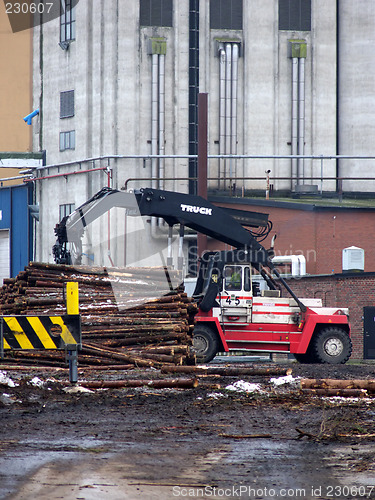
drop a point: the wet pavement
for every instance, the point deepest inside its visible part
(198, 443)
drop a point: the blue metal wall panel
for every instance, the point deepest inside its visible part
(14, 201)
(19, 250)
(5, 208)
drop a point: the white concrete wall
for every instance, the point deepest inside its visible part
(109, 68)
(356, 90)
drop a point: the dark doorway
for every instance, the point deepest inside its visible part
(369, 332)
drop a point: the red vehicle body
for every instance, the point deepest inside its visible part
(245, 318)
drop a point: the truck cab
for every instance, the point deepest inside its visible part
(247, 315)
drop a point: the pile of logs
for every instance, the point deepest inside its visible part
(130, 317)
(332, 387)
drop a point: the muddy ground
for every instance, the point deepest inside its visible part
(206, 442)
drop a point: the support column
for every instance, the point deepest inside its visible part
(202, 159)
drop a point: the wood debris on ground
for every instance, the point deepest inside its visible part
(130, 316)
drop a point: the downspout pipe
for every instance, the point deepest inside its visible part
(338, 26)
(235, 55)
(161, 171)
(161, 119)
(154, 118)
(222, 56)
(228, 106)
(154, 129)
(301, 118)
(294, 120)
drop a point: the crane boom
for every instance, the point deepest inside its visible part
(188, 210)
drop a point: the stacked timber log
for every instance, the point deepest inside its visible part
(130, 317)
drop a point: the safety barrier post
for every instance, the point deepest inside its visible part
(1, 339)
(72, 307)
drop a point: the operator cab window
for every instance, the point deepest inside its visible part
(247, 280)
(233, 278)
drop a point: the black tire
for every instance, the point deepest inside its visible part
(308, 357)
(205, 343)
(332, 345)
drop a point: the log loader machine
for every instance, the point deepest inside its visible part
(234, 312)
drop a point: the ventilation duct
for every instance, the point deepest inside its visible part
(297, 263)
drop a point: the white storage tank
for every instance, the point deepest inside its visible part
(353, 259)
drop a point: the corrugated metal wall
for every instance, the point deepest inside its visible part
(16, 221)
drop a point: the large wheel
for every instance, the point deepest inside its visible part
(308, 357)
(205, 343)
(332, 345)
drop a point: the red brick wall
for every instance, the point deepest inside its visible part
(353, 291)
(318, 235)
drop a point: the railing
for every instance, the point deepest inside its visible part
(330, 177)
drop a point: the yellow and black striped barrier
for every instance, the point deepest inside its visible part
(46, 332)
(40, 332)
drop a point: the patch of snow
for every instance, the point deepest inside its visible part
(36, 382)
(242, 386)
(216, 395)
(287, 380)
(339, 400)
(5, 380)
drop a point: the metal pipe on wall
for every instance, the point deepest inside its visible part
(228, 98)
(161, 119)
(301, 118)
(228, 106)
(235, 55)
(222, 56)
(294, 120)
(154, 130)
(154, 118)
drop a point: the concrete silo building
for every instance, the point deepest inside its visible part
(117, 81)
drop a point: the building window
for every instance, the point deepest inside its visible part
(156, 13)
(67, 20)
(67, 140)
(295, 15)
(66, 210)
(67, 104)
(226, 14)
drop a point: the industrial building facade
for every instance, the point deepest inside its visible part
(118, 81)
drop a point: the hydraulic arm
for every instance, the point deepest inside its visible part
(187, 210)
(175, 208)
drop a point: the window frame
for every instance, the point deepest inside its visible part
(294, 15)
(66, 209)
(228, 284)
(67, 20)
(148, 9)
(225, 10)
(67, 140)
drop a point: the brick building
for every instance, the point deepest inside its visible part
(319, 232)
(353, 290)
